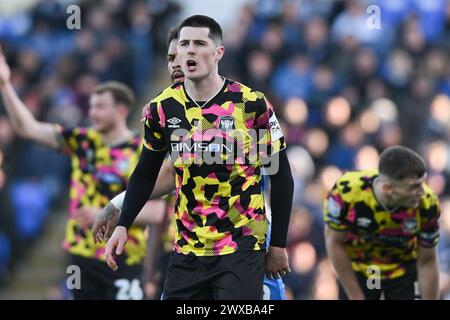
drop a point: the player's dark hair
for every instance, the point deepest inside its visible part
(121, 93)
(399, 162)
(172, 34)
(201, 21)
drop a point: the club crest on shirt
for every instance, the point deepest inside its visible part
(226, 123)
(410, 225)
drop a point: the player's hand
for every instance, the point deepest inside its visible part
(114, 246)
(5, 71)
(86, 216)
(277, 262)
(105, 222)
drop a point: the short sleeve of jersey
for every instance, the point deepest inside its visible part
(153, 128)
(270, 136)
(72, 138)
(335, 210)
(429, 227)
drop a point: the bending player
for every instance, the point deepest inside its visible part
(382, 230)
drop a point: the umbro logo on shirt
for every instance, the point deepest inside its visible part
(174, 122)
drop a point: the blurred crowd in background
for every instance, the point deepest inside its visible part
(342, 91)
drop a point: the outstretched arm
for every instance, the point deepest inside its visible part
(22, 119)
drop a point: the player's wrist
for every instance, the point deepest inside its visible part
(117, 201)
(121, 228)
(276, 242)
(276, 248)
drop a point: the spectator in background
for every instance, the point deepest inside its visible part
(352, 23)
(293, 78)
(317, 44)
(260, 68)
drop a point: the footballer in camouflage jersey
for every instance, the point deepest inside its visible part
(99, 172)
(377, 237)
(222, 207)
(382, 230)
(273, 288)
(219, 134)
